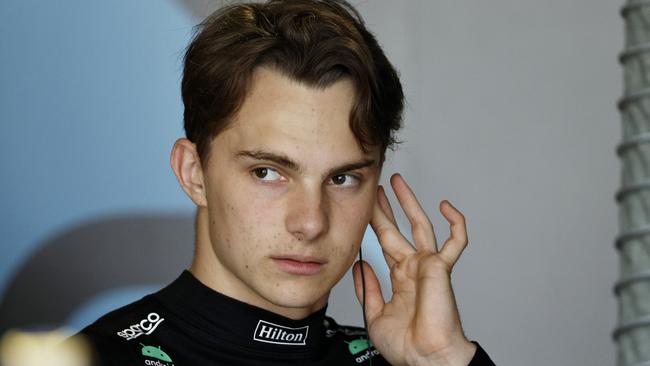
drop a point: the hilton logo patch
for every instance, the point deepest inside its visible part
(277, 334)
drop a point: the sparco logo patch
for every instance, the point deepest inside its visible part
(277, 334)
(146, 326)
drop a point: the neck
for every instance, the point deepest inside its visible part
(209, 270)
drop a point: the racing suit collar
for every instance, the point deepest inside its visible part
(224, 319)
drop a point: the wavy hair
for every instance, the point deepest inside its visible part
(315, 42)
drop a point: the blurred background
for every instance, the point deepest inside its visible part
(511, 116)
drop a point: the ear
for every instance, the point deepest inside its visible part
(186, 165)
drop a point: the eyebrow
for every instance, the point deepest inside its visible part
(288, 163)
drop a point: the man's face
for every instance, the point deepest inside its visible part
(284, 234)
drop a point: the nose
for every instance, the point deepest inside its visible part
(307, 217)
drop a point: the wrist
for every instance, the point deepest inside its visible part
(459, 354)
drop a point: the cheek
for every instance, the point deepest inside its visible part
(245, 222)
(352, 218)
(356, 214)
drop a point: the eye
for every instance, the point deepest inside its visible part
(351, 178)
(265, 172)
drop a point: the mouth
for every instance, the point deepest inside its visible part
(299, 265)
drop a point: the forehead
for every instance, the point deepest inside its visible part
(284, 116)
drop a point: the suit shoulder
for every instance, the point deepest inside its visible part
(146, 310)
(359, 350)
(109, 335)
(332, 328)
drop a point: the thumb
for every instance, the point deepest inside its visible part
(374, 299)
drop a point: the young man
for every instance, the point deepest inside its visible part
(289, 109)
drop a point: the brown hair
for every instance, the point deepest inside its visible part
(315, 42)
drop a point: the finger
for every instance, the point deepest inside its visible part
(374, 299)
(390, 261)
(421, 226)
(384, 203)
(435, 306)
(457, 241)
(391, 240)
(388, 210)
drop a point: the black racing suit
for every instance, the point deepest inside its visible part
(189, 324)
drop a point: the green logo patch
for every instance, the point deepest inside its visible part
(358, 345)
(153, 352)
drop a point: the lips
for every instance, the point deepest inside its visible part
(299, 265)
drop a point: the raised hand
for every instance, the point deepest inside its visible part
(420, 324)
